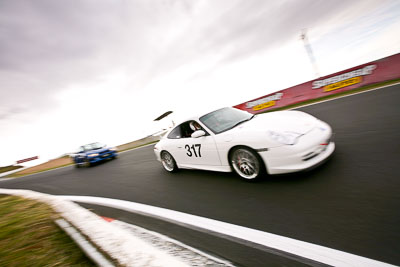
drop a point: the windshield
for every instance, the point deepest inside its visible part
(93, 146)
(224, 119)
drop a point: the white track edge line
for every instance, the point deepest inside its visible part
(366, 91)
(300, 248)
(13, 178)
(169, 239)
(130, 149)
(88, 249)
(114, 241)
(11, 172)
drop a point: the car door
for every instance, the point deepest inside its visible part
(195, 151)
(199, 151)
(80, 156)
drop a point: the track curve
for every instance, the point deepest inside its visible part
(351, 203)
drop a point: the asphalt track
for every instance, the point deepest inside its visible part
(351, 203)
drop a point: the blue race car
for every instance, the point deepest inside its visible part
(93, 153)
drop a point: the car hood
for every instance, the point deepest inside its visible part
(280, 121)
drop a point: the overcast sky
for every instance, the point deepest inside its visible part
(73, 72)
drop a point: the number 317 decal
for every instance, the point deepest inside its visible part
(193, 148)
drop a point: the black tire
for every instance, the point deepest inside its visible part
(87, 163)
(168, 162)
(246, 163)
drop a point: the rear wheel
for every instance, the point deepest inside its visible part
(246, 163)
(168, 162)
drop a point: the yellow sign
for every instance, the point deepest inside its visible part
(342, 84)
(265, 105)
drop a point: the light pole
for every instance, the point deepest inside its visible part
(307, 46)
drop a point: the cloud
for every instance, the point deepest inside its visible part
(235, 30)
(47, 46)
(7, 113)
(162, 49)
(51, 44)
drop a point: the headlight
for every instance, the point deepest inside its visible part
(113, 149)
(286, 138)
(93, 155)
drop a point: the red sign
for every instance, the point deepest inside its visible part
(28, 159)
(381, 70)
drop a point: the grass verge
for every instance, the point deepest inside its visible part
(126, 149)
(9, 168)
(16, 175)
(29, 236)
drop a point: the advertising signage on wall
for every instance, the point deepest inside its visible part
(385, 69)
(27, 159)
(343, 80)
(265, 102)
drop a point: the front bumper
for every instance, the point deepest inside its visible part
(108, 155)
(311, 150)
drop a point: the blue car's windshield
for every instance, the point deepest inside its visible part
(93, 146)
(224, 119)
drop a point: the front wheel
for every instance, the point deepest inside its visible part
(87, 163)
(246, 163)
(168, 162)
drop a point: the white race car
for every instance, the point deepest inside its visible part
(231, 139)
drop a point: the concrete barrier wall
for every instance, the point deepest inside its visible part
(370, 73)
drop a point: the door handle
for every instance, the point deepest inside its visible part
(179, 147)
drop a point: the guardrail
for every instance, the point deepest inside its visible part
(378, 71)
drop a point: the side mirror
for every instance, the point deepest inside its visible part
(198, 133)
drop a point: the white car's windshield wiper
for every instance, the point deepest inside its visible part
(240, 122)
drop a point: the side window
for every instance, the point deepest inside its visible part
(185, 129)
(182, 131)
(176, 133)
